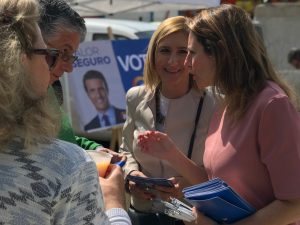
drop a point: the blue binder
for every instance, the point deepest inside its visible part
(218, 201)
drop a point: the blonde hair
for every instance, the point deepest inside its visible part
(22, 113)
(242, 65)
(167, 27)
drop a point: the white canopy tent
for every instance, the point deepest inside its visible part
(106, 7)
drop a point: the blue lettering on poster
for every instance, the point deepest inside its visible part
(130, 56)
(91, 56)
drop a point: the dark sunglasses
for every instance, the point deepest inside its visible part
(67, 57)
(51, 55)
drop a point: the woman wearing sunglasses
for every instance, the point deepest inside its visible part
(51, 55)
(43, 180)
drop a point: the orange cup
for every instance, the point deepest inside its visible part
(102, 160)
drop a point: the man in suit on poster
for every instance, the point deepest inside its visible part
(96, 88)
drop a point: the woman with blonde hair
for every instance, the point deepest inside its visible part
(168, 102)
(43, 180)
(253, 139)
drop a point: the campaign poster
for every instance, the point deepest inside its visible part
(130, 56)
(102, 75)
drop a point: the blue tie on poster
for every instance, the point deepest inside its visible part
(102, 75)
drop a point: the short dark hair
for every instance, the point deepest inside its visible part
(94, 74)
(56, 16)
(294, 54)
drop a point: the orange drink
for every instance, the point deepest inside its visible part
(102, 167)
(102, 160)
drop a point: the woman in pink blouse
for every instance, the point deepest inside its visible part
(253, 141)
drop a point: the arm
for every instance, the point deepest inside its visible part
(131, 166)
(279, 212)
(114, 196)
(91, 145)
(87, 144)
(159, 145)
(126, 147)
(279, 150)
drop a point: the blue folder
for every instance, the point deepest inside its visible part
(218, 201)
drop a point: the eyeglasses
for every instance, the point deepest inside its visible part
(67, 57)
(51, 55)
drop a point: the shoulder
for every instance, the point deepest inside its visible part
(271, 104)
(270, 95)
(55, 172)
(135, 92)
(63, 157)
(64, 147)
(272, 90)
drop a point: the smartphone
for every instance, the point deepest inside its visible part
(148, 182)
